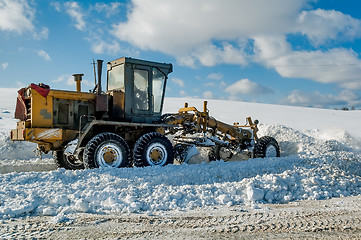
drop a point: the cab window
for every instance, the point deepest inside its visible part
(141, 96)
(158, 85)
(116, 78)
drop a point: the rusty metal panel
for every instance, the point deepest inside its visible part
(101, 104)
(68, 112)
(63, 112)
(118, 104)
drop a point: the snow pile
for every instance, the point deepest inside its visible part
(317, 161)
(310, 168)
(15, 150)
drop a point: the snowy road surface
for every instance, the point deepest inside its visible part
(336, 218)
(322, 161)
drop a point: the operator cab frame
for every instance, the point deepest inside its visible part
(137, 88)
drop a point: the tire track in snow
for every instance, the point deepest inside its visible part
(33, 165)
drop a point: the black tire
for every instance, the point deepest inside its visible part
(215, 153)
(155, 144)
(67, 160)
(266, 147)
(106, 150)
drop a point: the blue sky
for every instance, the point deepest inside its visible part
(299, 52)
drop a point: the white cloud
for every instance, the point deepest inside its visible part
(245, 86)
(63, 78)
(317, 99)
(195, 90)
(208, 95)
(161, 25)
(108, 9)
(44, 55)
(210, 84)
(4, 65)
(321, 26)
(100, 47)
(187, 61)
(20, 84)
(69, 81)
(339, 65)
(56, 6)
(43, 34)
(178, 82)
(215, 76)
(247, 31)
(76, 13)
(182, 93)
(220, 84)
(16, 16)
(209, 55)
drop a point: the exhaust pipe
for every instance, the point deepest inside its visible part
(78, 79)
(101, 102)
(100, 65)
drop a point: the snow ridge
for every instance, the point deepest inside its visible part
(313, 165)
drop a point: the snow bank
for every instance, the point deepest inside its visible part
(310, 168)
(320, 158)
(15, 150)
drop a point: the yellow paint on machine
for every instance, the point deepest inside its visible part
(42, 107)
(46, 138)
(40, 134)
(43, 134)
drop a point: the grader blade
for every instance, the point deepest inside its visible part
(190, 152)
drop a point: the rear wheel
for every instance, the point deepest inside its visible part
(266, 147)
(67, 160)
(106, 150)
(153, 149)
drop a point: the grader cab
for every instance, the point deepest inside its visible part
(124, 126)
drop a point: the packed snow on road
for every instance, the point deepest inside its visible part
(320, 159)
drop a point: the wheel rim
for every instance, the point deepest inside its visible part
(271, 151)
(156, 154)
(109, 155)
(225, 153)
(72, 160)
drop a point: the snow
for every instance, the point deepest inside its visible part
(320, 159)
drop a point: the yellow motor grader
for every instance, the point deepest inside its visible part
(124, 126)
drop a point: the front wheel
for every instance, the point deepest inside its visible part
(106, 150)
(218, 152)
(67, 160)
(153, 149)
(266, 147)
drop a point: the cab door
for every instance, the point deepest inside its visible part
(142, 96)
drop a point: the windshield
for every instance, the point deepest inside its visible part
(116, 78)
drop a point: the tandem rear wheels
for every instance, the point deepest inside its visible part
(111, 150)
